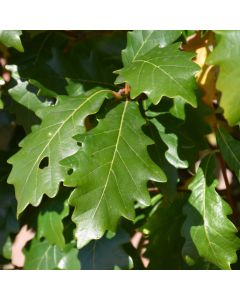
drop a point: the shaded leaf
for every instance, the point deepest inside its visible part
(7, 249)
(8, 222)
(34, 63)
(161, 72)
(50, 219)
(207, 226)
(51, 142)
(178, 109)
(230, 149)
(110, 171)
(53, 61)
(165, 240)
(43, 256)
(106, 253)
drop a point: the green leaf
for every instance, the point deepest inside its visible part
(110, 171)
(8, 222)
(140, 42)
(22, 94)
(70, 260)
(165, 240)
(171, 140)
(43, 256)
(34, 64)
(11, 38)
(161, 72)
(106, 253)
(226, 55)
(41, 151)
(27, 107)
(50, 219)
(230, 149)
(188, 134)
(178, 109)
(7, 249)
(207, 225)
(52, 61)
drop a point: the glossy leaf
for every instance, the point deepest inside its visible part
(110, 171)
(11, 38)
(27, 107)
(171, 140)
(42, 150)
(226, 56)
(70, 259)
(50, 218)
(42, 256)
(140, 42)
(161, 72)
(230, 150)
(22, 94)
(207, 225)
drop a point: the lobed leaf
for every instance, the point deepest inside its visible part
(41, 151)
(171, 140)
(43, 256)
(140, 42)
(207, 226)
(161, 72)
(50, 218)
(22, 94)
(110, 172)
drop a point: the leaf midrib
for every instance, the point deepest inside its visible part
(164, 72)
(140, 48)
(57, 131)
(113, 159)
(204, 214)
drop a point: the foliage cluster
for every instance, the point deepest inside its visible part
(113, 137)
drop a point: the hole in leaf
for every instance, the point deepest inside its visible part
(70, 171)
(44, 163)
(79, 144)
